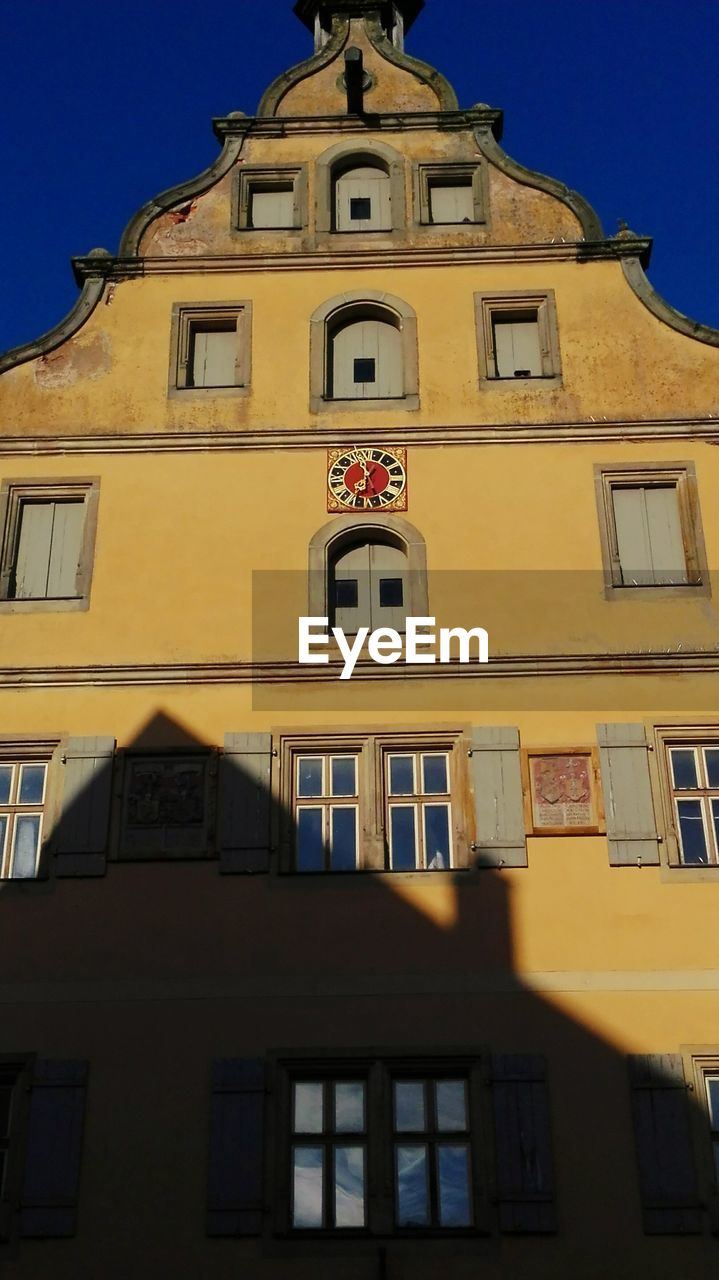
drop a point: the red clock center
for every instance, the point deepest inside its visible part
(366, 481)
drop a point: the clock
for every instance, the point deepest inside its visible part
(367, 479)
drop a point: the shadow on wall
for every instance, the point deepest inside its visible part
(148, 979)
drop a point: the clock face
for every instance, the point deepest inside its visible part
(366, 479)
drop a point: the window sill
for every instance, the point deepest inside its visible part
(537, 382)
(678, 873)
(67, 604)
(324, 405)
(204, 393)
(661, 592)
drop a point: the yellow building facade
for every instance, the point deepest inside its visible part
(408, 972)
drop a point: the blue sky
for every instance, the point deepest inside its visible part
(105, 105)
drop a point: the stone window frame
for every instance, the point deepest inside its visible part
(47, 488)
(488, 306)
(15, 1070)
(294, 175)
(682, 475)
(700, 1061)
(322, 322)
(119, 851)
(344, 155)
(184, 314)
(341, 531)
(371, 749)
(378, 1069)
(425, 173)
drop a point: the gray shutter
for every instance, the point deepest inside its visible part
(245, 802)
(665, 1158)
(273, 208)
(48, 1205)
(523, 1142)
(214, 358)
(365, 183)
(517, 347)
(234, 1202)
(628, 805)
(498, 803)
(33, 550)
(65, 549)
(452, 203)
(82, 835)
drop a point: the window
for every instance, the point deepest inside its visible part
(451, 195)
(49, 536)
(517, 337)
(362, 199)
(359, 191)
(650, 528)
(22, 797)
(363, 347)
(711, 1084)
(210, 349)
(270, 199)
(368, 585)
(350, 1120)
(692, 774)
(393, 802)
(167, 808)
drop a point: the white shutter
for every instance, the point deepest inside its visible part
(272, 208)
(665, 534)
(517, 348)
(363, 184)
(65, 549)
(354, 565)
(367, 340)
(213, 357)
(387, 562)
(452, 203)
(630, 522)
(33, 550)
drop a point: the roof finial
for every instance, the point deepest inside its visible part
(396, 16)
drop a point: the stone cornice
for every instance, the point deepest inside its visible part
(479, 116)
(517, 666)
(126, 268)
(325, 435)
(663, 310)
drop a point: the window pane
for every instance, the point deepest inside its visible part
(3, 833)
(684, 769)
(711, 758)
(403, 837)
(715, 817)
(25, 846)
(346, 593)
(309, 776)
(5, 783)
(691, 832)
(310, 841)
(412, 1197)
(343, 855)
(436, 837)
(307, 1187)
(344, 776)
(453, 1180)
(391, 593)
(360, 208)
(410, 1115)
(32, 784)
(308, 1107)
(451, 1100)
(349, 1187)
(434, 775)
(401, 775)
(365, 369)
(349, 1107)
(713, 1098)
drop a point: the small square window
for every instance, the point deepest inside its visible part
(269, 199)
(360, 209)
(451, 195)
(391, 593)
(650, 528)
(210, 349)
(346, 593)
(365, 370)
(49, 533)
(518, 339)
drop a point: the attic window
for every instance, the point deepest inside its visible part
(451, 195)
(270, 199)
(210, 349)
(518, 341)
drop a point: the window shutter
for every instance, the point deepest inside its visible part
(452, 203)
(215, 354)
(245, 802)
(65, 549)
(629, 810)
(48, 1205)
(82, 835)
(498, 803)
(33, 550)
(234, 1205)
(523, 1141)
(273, 208)
(665, 534)
(665, 1158)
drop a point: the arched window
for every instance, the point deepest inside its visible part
(364, 355)
(368, 573)
(367, 583)
(361, 199)
(363, 347)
